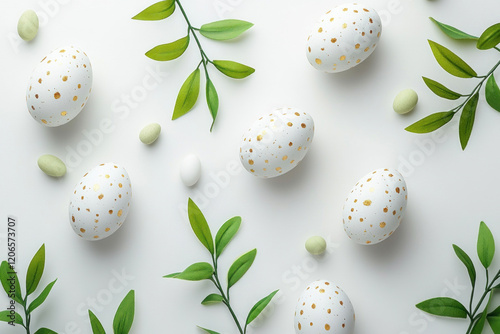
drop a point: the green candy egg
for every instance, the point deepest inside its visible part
(150, 133)
(52, 165)
(316, 245)
(405, 101)
(27, 26)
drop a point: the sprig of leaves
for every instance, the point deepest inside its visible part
(220, 31)
(11, 285)
(457, 67)
(124, 317)
(449, 307)
(209, 271)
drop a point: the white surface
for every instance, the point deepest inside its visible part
(450, 191)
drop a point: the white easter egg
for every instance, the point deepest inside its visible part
(276, 142)
(59, 86)
(375, 206)
(343, 37)
(323, 308)
(190, 170)
(100, 202)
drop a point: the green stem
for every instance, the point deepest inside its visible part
(27, 316)
(193, 30)
(225, 297)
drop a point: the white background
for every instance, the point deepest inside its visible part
(450, 191)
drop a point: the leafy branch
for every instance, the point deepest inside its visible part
(456, 66)
(449, 307)
(12, 287)
(219, 31)
(206, 271)
(124, 317)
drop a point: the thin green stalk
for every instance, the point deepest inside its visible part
(225, 297)
(192, 30)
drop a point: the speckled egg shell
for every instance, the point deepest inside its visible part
(323, 308)
(276, 142)
(344, 37)
(59, 86)
(375, 206)
(100, 202)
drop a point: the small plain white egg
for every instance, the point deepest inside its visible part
(59, 86)
(343, 37)
(100, 202)
(276, 142)
(375, 206)
(190, 170)
(323, 308)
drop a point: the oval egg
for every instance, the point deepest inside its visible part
(59, 86)
(343, 38)
(100, 202)
(323, 308)
(276, 142)
(375, 206)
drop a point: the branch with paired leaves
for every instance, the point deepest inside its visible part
(206, 271)
(12, 287)
(449, 307)
(457, 67)
(124, 317)
(219, 31)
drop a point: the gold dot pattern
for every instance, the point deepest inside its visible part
(324, 308)
(100, 192)
(276, 142)
(349, 34)
(58, 85)
(376, 206)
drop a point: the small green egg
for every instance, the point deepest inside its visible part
(405, 101)
(27, 26)
(150, 133)
(316, 245)
(52, 165)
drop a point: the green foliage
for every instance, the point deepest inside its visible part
(219, 31)
(449, 307)
(206, 271)
(457, 67)
(124, 317)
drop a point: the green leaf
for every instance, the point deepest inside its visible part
(170, 51)
(485, 245)
(466, 260)
(96, 324)
(200, 226)
(44, 330)
(492, 93)
(5, 316)
(233, 69)
(453, 32)
(124, 316)
(479, 325)
(171, 275)
(450, 62)
(212, 299)
(489, 38)
(431, 122)
(188, 95)
(35, 271)
(208, 330)
(212, 100)
(467, 120)
(494, 320)
(226, 233)
(259, 307)
(441, 90)
(41, 298)
(159, 11)
(443, 306)
(225, 29)
(7, 275)
(196, 272)
(240, 267)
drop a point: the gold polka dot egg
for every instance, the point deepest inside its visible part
(276, 142)
(59, 86)
(323, 308)
(375, 206)
(343, 37)
(100, 202)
